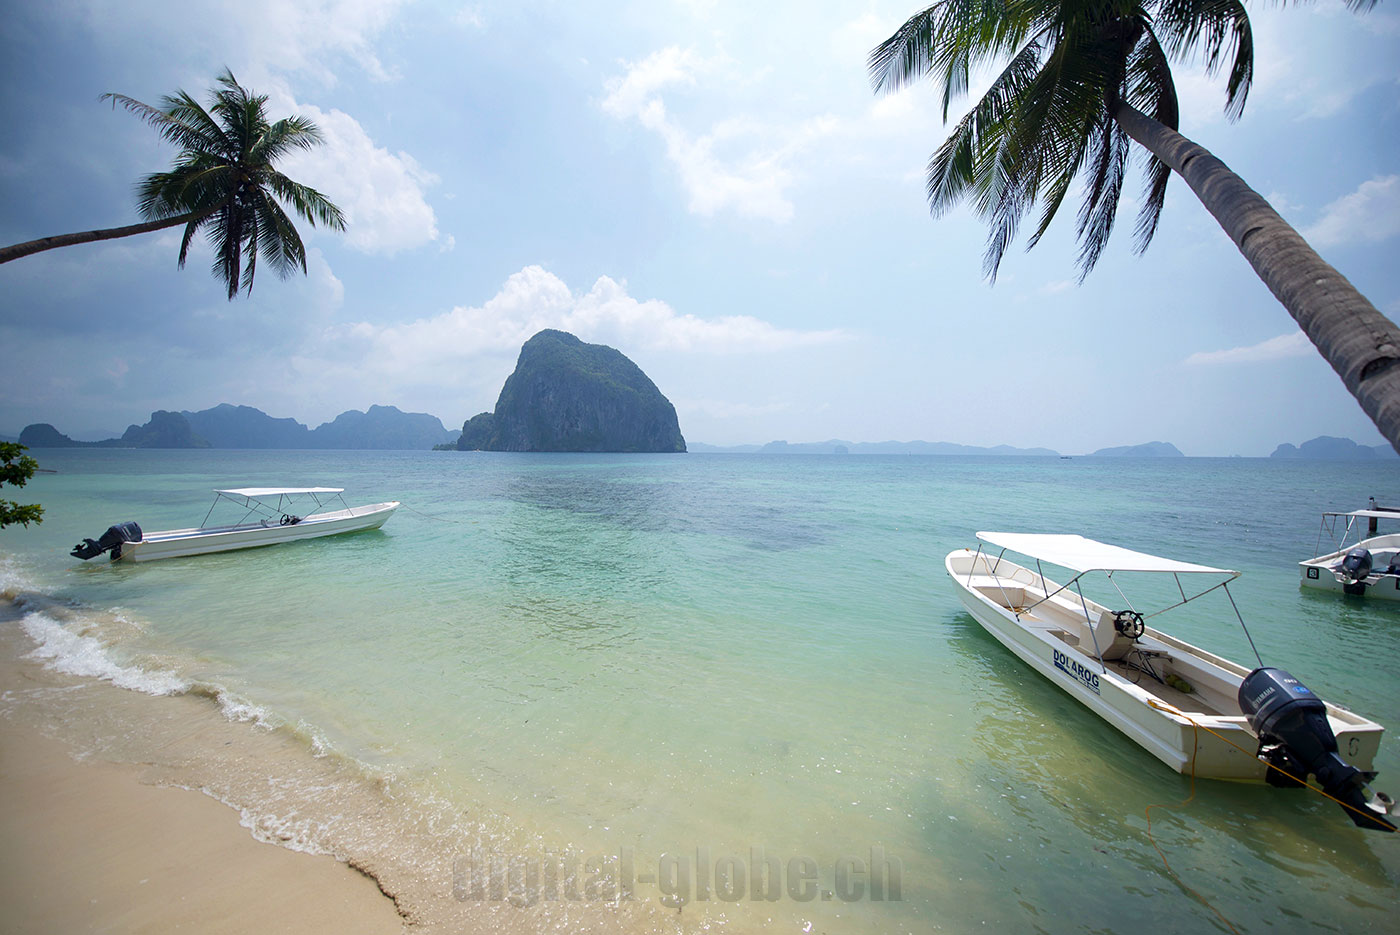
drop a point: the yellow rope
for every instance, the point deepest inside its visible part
(1195, 745)
(1196, 729)
(1302, 782)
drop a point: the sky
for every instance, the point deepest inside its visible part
(711, 187)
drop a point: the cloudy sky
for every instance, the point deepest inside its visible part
(709, 186)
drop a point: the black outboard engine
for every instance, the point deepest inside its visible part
(111, 540)
(1353, 570)
(1295, 738)
(1357, 564)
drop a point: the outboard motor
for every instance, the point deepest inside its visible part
(1295, 738)
(1357, 564)
(110, 541)
(1353, 571)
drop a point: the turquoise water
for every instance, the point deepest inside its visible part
(699, 656)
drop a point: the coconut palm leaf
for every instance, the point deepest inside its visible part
(224, 182)
(1083, 81)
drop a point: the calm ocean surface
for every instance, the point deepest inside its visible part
(555, 659)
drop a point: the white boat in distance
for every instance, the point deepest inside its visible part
(265, 521)
(1367, 567)
(1193, 710)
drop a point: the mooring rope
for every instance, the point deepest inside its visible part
(440, 519)
(1302, 782)
(1195, 746)
(1196, 729)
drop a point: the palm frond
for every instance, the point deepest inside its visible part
(307, 201)
(905, 56)
(225, 176)
(183, 123)
(226, 236)
(959, 165)
(282, 246)
(1213, 31)
(950, 38)
(190, 230)
(252, 231)
(1150, 89)
(1108, 147)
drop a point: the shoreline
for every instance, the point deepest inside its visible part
(90, 846)
(152, 809)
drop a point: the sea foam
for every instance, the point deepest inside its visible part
(63, 649)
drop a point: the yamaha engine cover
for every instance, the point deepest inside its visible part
(1295, 737)
(1357, 564)
(111, 540)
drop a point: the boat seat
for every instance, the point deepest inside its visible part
(1111, 644)
(1004, 592)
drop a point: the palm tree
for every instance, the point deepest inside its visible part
(1080, 80)
(223, 181)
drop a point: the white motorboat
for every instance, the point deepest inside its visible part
(268, 519)
(1193, 710)
(1367, 567)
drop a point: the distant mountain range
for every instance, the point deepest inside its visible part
(386, 427)
(1149, 450)
(228, 426)
(1322, 448)
(1328, 448)
(840, 447)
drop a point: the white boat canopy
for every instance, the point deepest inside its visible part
(1081, 555)
(1371, 514)
(256, 492)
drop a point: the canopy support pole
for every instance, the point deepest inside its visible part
(1225, 586)
(1089, 625)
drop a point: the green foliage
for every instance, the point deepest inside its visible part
(225, 177)
(1049, 117)
(479, 433)
(16, 469)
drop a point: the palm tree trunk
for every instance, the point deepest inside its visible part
(1361, 344)
(15, 251)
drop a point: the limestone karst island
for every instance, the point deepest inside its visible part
(566, 395)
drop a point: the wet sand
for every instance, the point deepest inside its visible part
(89, 847)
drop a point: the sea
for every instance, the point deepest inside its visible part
(703, 692)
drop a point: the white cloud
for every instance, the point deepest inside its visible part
(741, 164)
(722, 410)
(272, 45)
(298, 36)
(1284, 346)
(534, 299)
(1367, 215)
(382, 193)
(306, 36)
(471, 17)
(466, 353)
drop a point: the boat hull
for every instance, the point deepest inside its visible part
(1317, 572)
(1213, 742)
(178, 543)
